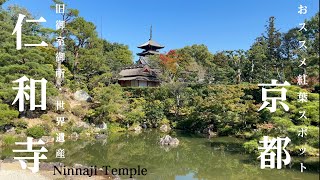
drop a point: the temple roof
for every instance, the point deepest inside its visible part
(149, 52)
(139, 70)
(139, 78)
(151, 45)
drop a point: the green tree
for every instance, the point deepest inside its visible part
(33, 62)
(111, 106)
(117, 55)
(237, 61)
(273, 38)
(80, 36)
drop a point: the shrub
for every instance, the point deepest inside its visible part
(36, 131)
(115, 127)
(7, 114)
(135, 116)
(313, 136)
(154, 112)
(46, 117)
(79, 111)
(8, 140)
(104, 131)
(68, 127)
(164, 121)
(21, 124)
(282, 122)
(226, 130)
(77, 129)
(251, 146)
(310, 151)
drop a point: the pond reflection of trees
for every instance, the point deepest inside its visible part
(217, 158)
(220, 158)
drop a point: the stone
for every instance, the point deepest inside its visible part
(7, 127)
(168, 140)
(212, 134)
(74, 136)
(209, 131)
(47, 139)
(100, 136)
(102, 126)
(96, 130)
(9, 160)
(165, 128)
(82, 124)
(137, 128)
(81, 95)
(11, 131)
(144, 125)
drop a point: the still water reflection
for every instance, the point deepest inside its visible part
(195, 158)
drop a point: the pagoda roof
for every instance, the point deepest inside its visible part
(149, 44)
(149, 52)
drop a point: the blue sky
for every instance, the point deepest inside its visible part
(219, 24)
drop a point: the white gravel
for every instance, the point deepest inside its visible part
(19, 175)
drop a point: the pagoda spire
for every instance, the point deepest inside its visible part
(150, 32)
(150, 47)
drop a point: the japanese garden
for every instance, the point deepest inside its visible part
(188, 113)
